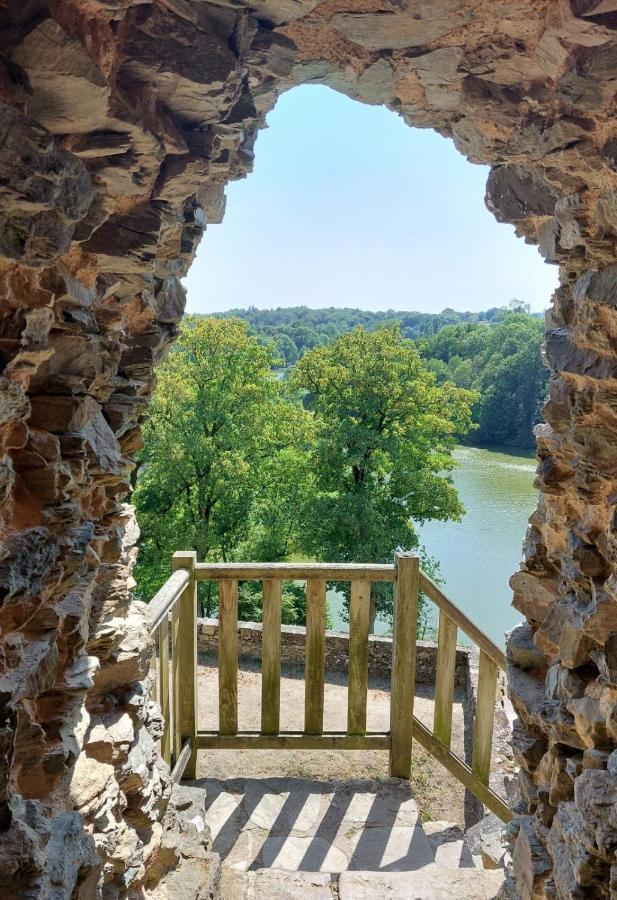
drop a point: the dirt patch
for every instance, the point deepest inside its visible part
(438, 794)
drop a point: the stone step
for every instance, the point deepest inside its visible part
(484, 839)
(447, 841)
(432, 882)
(277, 884)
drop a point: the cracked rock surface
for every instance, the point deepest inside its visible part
(121, 121)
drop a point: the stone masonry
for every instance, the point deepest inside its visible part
(120, 123)
(336, 650)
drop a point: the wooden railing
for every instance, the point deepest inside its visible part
(175, 604)
(172, 614)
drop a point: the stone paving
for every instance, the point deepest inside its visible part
(297, 824)
(297, 839)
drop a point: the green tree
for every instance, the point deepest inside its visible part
(219, 430)
(384, 434)
(503, 363)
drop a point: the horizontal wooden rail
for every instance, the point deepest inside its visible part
(461, 771)
(292, 740)
(428, 587)
(293, 571)
(166, 597)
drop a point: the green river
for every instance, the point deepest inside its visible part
(478, 555)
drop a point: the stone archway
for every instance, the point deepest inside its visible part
(122, 120)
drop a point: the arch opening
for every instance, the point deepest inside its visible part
(349, 207)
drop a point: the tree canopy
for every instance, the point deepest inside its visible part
(296, 329)
(337, 463)
(384, 431)
(495, 352)
(503, 364)
(222, 464)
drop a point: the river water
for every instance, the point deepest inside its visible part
(478, 555)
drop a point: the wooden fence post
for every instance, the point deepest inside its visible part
(359, 613)
(228, 656)
(185, 663)
(403, 662)
(314, 667)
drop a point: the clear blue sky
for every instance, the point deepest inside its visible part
(347, 206)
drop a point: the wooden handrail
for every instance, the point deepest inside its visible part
(348, 572)
(461, 771)
(428, 587)
(166, 597)
(293, 571)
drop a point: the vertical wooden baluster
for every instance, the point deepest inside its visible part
(403, 663)
(164, 696)
(185, 662)
(444, 681)
(155, 666)
(315, 655)
(485, 715)
(271, 657)
(228, 656)
(359, 612)
(173, 682)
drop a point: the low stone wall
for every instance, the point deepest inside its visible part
(293, 641)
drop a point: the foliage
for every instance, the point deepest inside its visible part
(293, 603)
(225, 456)
(503, 364)
(496, 352)
(299, 328)
(384, 434)
(336, 463)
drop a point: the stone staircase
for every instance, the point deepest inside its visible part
(287, 838)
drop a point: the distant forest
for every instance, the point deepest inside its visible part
(496, 353)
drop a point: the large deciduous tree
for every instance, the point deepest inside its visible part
(224, 460)
(384, 434)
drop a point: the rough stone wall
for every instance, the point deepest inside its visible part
(120, 123)
(293, 651)
(112, 116)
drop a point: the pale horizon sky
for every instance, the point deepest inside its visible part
(348, 206)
